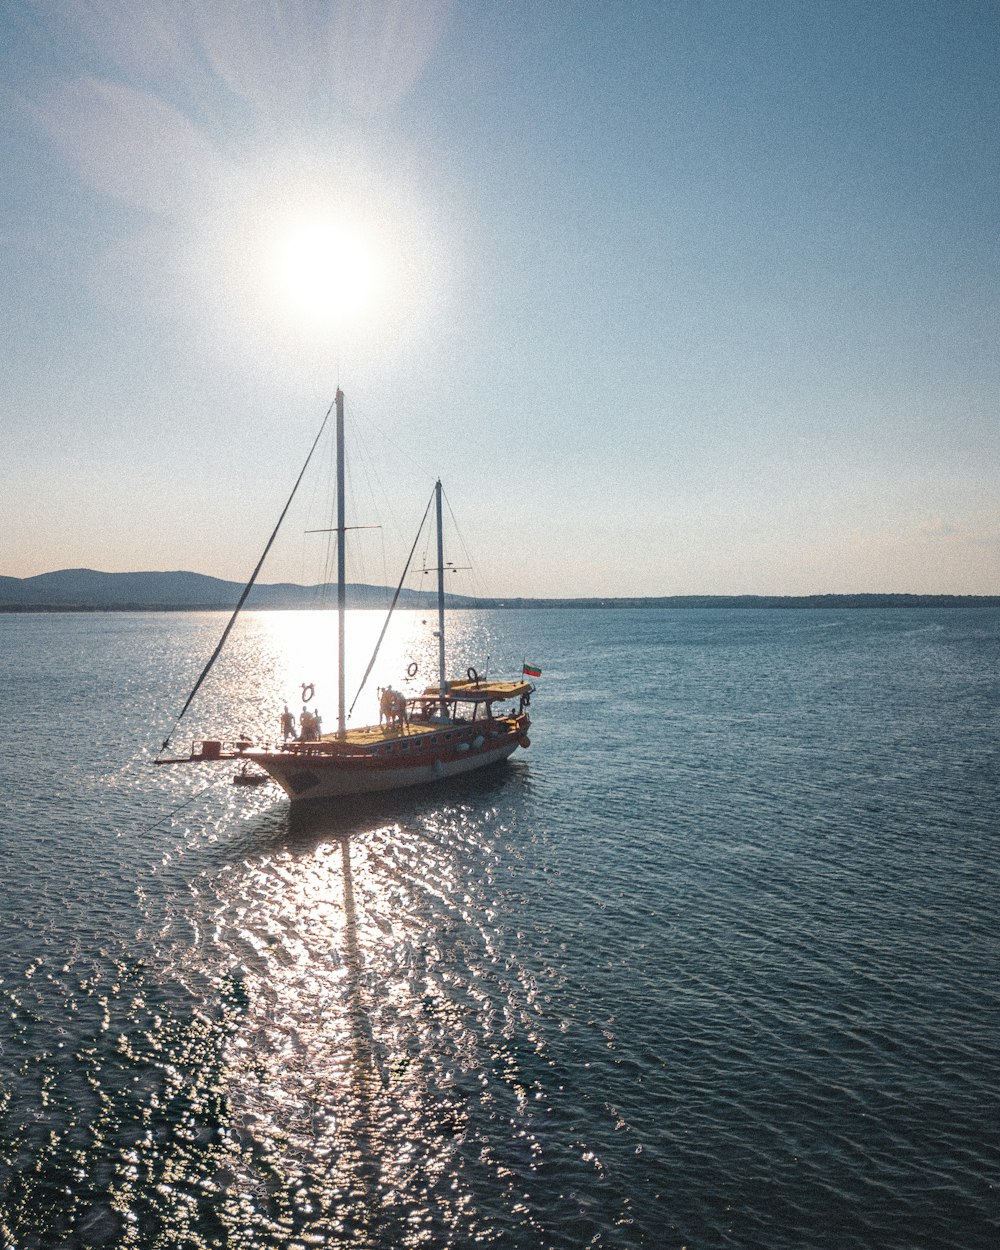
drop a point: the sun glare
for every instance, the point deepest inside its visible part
(327, 270)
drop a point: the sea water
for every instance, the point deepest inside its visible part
(713, 963)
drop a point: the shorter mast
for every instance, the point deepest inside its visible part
(442, 682)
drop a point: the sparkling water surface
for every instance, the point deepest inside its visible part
(713, 963)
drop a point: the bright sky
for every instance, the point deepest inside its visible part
(677, 298)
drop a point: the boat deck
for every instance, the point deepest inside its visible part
(457, 731)
(369, 735)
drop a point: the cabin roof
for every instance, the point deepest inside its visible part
(481, 691)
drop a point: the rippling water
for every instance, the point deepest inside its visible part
(714, 963)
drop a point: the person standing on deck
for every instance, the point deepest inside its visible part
(287, 724)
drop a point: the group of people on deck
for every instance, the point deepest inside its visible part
(310, 725)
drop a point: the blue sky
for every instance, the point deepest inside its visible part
(677, 298)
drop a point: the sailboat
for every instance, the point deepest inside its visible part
(450, 728)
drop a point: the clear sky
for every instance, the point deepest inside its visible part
(686, 297)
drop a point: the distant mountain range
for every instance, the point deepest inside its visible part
(88, 590)
(83, 590)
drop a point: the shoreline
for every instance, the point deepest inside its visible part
(668, 602)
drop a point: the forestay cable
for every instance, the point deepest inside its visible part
(395, 598)
(249, 586)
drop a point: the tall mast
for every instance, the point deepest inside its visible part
(341, 568)
(442, 683)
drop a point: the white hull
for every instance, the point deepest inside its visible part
(320, 776)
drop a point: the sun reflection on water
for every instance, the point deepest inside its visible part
(379, 1051)
(273, 656)
(378, 1023)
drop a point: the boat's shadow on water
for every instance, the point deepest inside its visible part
(299, 829)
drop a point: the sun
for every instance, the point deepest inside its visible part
(327, 270)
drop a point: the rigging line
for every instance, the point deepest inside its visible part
(114, 778)
(325, 504)
(425, 556)
(249, 585)
(190, 799)
(383, 504)
(400, 451)
(316, 575)
(466, 554)
(395, 597)
(354, 557)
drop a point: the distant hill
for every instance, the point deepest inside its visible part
(88, 590)
(82, 590)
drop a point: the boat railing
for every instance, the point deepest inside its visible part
(420, 713)
(207, 750)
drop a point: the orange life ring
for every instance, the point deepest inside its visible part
(411, 669)
(308, 690)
